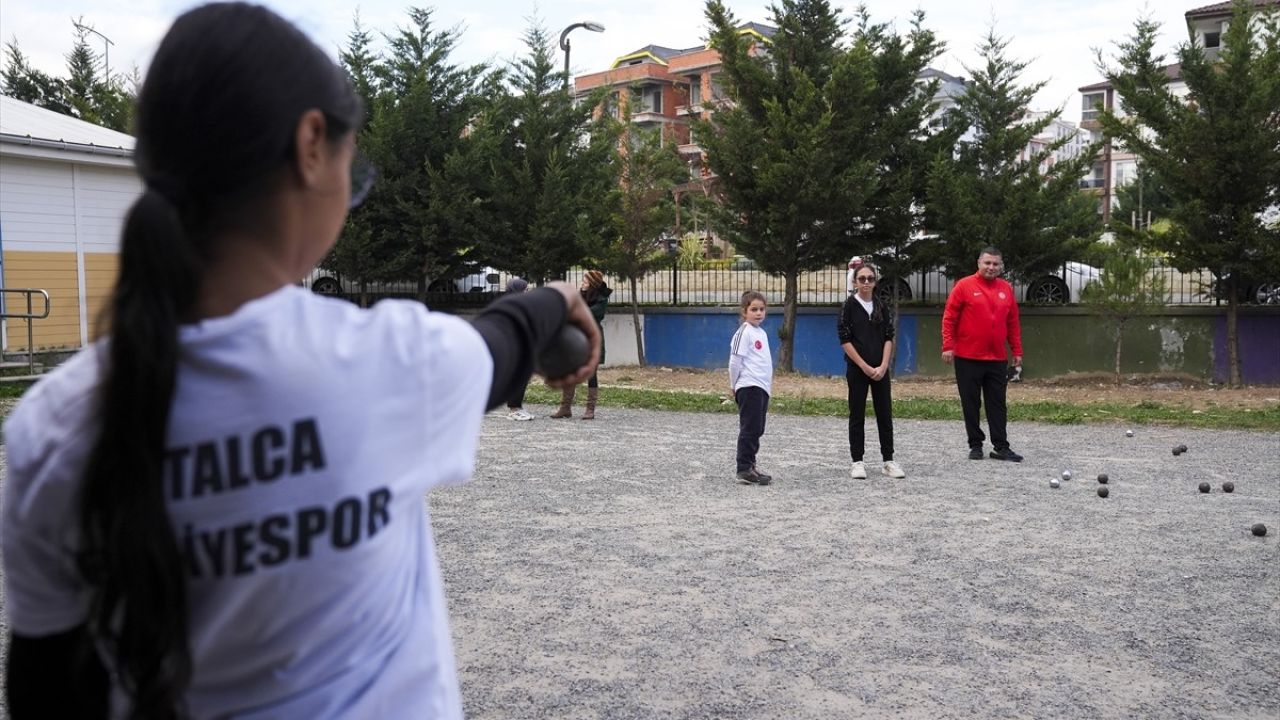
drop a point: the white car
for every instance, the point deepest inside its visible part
(935, 286)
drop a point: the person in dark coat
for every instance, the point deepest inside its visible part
(596, 294)
(866, 333)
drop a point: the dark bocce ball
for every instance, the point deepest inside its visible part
(1104, 491)
(1102, 478)
(1260, 530)
(566, 352)
(1177, 450)
(1204, 487)
(1228, 487)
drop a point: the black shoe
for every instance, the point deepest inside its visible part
(1006, 454)
(767, 478)
(976, 453)
(751, 477)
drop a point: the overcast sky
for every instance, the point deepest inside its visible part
(1057, 37)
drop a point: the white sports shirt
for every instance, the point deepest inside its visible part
(750, 362)
(305, 433)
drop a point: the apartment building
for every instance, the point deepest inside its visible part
(665, 88)
(1117, 167)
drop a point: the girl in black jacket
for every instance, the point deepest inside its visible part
(866, 336)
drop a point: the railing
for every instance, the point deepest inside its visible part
(723, 282)
(30, 316)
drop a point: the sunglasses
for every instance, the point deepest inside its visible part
(865, 279)
(363, 173)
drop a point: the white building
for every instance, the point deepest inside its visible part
(65, 186)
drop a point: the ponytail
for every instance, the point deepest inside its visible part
(130, 555)
(215, 125)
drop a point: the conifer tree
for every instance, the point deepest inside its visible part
(1217, 150)
(993, 191)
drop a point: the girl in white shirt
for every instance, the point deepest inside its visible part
(750, 382)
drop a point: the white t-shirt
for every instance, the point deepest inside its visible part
(750, 362)
(867, 305)
(304, 434)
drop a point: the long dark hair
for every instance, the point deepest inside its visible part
(216, 122)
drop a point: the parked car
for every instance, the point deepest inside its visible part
(1260, 290)
(485, 279)
(934, 286)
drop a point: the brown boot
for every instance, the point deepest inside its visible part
(566, 403)
(592, 394)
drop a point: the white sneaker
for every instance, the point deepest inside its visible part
(859, 471)
(892, 469)
(519, 414)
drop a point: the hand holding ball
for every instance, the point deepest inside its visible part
(565, 353)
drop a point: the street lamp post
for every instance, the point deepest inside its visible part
(106, 47)
(564, 43)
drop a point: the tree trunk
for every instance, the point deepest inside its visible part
(1233, 337)
(786, 350)
(635, 323)
(1119, 345)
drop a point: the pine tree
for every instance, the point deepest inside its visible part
(984, 194)
(1123, 292)
(643, 210)
(23, 82)
(804, 153)
(1217, 150)
(421, 106)
(548, 164)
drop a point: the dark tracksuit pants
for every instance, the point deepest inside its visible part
(753, 404)
(983, 383)
(881, 402)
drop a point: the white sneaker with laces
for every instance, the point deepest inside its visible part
(859, 471)
(519, 414)
(893, 470)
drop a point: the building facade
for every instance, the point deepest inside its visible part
(65, 188)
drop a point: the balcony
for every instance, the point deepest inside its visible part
(1090, 183)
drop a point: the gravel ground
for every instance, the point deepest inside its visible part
(615, 570)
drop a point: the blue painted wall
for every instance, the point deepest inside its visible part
(1259, 349)
(700, 339)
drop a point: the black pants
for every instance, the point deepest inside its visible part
(881, 401)
(753, 404)
(983, 383)
(517, 400)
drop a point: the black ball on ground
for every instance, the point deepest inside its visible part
(1177, 450)
(566, 352)
(1104, 491)
(1260, 530)
(1102, 478)
(1204, 487)
(1228, 487)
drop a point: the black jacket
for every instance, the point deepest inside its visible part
(866, 334)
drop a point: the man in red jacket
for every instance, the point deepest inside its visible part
(980, 318)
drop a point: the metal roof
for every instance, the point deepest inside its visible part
(22, 123)
(1224, 8)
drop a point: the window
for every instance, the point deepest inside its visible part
(1212, 39)
(646, 99)
(1089, 103)
(695, 90)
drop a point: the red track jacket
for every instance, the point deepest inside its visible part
(980, 317)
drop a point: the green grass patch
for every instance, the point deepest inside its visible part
(1142, 413)
(14, 389)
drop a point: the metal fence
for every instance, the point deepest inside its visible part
(724, 286)
(720, 285)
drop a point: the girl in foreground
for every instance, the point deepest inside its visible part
(217, 510)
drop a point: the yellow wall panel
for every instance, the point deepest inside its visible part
(100, 270)
(54, 273)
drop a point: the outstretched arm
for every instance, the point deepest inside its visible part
(517, 327)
